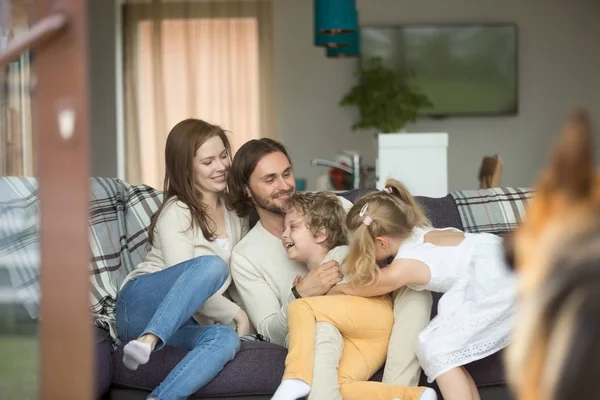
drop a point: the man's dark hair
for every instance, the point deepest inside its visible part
(243, 165)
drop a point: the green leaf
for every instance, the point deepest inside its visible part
(385, 100)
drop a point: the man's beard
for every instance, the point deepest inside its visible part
(268, 204)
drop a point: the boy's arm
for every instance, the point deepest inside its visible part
(401, 272)
(268, 316)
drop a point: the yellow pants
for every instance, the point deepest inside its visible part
(366, 326)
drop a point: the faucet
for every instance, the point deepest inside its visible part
(353, 170)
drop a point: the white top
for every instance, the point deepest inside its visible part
(264, 275)
(338, 254)
(175, 242)
(446, 264)
(475, 312)
(223, 243)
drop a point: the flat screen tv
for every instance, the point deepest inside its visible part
(463, 69)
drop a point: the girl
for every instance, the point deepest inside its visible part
(474, 314)
(186, 270)
(314, 234)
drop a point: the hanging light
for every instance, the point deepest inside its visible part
(352, 50)
(335, 16)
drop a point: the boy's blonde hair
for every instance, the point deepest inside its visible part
(391, 212)
(322, 211)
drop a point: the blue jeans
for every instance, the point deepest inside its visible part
(162, 304)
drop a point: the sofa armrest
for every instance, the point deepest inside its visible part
(103, 349)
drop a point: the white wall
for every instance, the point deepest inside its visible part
(559, 68)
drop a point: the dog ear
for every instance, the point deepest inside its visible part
(571, 173)
(566, 182)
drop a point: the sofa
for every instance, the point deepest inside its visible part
(119, 217)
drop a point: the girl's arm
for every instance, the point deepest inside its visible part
(401, 272)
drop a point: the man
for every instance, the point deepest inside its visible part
(261, 178)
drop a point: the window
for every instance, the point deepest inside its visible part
(201, 61)
(16, 140)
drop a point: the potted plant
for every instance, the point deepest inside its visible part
(386, 102)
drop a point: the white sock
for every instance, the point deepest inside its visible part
(136, 353)
(291, 389)
(428, 394)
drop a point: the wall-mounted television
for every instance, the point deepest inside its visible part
(464, 69)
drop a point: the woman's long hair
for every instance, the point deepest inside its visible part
(182, 143)
(393, 212)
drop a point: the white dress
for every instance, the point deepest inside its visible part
(475, 313)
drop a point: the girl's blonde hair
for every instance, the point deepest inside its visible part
(392, 212)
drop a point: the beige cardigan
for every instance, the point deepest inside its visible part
(174, 242)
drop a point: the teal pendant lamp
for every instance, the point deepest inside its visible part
(335, 16)
(333, 41)
(352, 50)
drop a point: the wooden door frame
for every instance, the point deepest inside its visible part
(61, 127)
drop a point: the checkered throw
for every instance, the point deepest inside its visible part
(119, 219)
(497, 210)
(20, 242)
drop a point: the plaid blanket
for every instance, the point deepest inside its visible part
(20, 242)
(119, 219)
(497, 210)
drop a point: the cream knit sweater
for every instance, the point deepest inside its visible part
(175, 242)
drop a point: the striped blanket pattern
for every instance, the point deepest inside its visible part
(496, 210)
(118, 222)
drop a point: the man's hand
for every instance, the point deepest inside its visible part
(318, 281)
(297, 280)
(242, 323)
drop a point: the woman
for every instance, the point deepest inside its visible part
(185, 275)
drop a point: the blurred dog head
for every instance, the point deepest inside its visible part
(555, 351)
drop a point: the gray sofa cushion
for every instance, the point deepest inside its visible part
(257, 369)
(441, 212)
